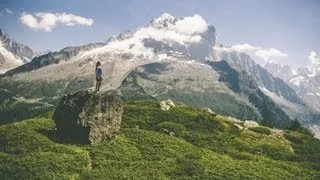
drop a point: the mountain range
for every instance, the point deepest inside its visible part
(12, 53)
(176, 58)
(305, 81)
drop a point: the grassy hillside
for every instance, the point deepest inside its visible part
(21, 100)
(182, 143)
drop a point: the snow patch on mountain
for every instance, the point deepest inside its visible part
(297, 80)
(10, 60)
(294, 72)
(12, 53)
(316, 129)
(166, 29)
(314, 64)
(133, 45)
(284, 72)
(162, 56)
(305, 80)
(9, 55)
(163, 20)
(282, 101)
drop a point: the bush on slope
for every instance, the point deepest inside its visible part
(180, 143)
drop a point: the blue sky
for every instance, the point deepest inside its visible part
(291, 26)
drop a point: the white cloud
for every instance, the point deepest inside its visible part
(183, 31)
(48, 21)
(314, 64)
(244, 47)
(267, 54)
(190, 25)
(29, 20)
(166, 35)
(170, 29)
(314, 58)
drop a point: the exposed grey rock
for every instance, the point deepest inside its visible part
(249, 124)
(55, 58)
(208, 110)
(284, 72)
(263, 78)
(12, 53)
(20, 50)
(170, 103)
(278, 132)
(165, 105)
(234, 120)
(238, 126)
(88, 117)
(171, 134)
(201, 85)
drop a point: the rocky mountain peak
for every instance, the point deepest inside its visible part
(2, 33)
(5, 37)
(189, 25)
(163, 20)
(166, 34)
(284, 72)
(24, 52)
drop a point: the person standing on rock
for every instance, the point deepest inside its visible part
(98, 75)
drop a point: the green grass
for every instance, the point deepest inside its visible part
(182, 143)
(261, 129)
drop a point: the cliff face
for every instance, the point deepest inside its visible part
(12, 53)
(89, 117)
(24, 52)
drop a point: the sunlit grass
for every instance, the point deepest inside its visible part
(180, 143)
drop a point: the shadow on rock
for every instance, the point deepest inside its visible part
(88, 117)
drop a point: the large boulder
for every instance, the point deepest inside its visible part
(89, 117)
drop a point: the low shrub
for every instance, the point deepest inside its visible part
(261, 130)
(167, 127)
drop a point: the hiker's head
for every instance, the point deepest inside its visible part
(98, 64)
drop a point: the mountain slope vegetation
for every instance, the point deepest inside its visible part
(182, 143)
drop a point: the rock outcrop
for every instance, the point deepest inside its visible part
(165, 105)
(88, 117)
(24, 52)
(208, 110)
(250, 124)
